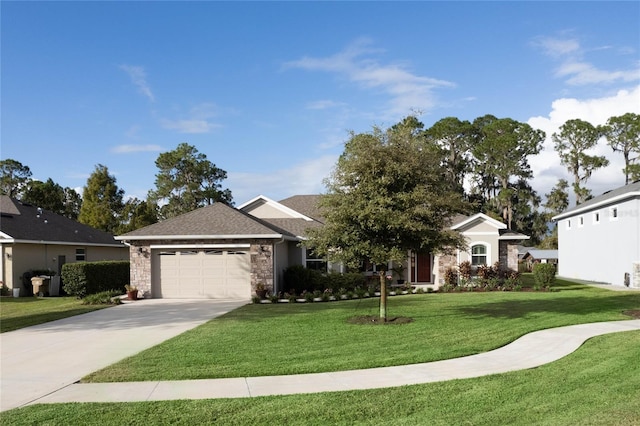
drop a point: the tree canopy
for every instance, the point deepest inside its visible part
(102, 201)
(186, 180)
(387, 194)
(14, 178)
(53, 197)
(623, 135)
(571, 143)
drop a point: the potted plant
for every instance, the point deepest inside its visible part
(399, 269)
(261, 290)
(132, 292)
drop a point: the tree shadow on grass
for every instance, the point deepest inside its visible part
(571, 305)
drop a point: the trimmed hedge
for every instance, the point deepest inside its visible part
(83, 278)
(544, 274)
(298, 279)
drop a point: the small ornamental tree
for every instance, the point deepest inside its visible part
(387, 195)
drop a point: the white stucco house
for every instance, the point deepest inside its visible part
(599, 240)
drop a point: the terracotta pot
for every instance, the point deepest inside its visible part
(132, 295)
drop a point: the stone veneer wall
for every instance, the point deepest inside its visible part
(261, 255)
(444, 262)
(635, 275)
(508, 255)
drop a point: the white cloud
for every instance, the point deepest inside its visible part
(139, 79)
(546, 165)
(324, 104)
(575, 69)
(407, 90)
(302, 178)
(198, 121)
(126, 149)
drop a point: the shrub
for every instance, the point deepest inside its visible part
(298, 279)
(451, 277)
(103, 298)
(465, 270)
(544, 274)
(83, 278)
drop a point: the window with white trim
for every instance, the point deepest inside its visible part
(568, 223)
(581, 221)
(314, 262)
(478, 254)
(596, 217)
(81, 255)
(613, 213)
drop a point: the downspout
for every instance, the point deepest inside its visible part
(276, 281)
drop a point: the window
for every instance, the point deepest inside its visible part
(569, 224)
(81, 256)
(613, 213)
(314, 262)
(479, 255)
(596, 217)
(581, 221)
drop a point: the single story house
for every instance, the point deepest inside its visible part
(32, 238)
(599, 240)
(534, 256)
(220, 251)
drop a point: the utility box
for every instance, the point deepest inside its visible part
(40, 285)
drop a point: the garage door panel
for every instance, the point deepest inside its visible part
(203, 273)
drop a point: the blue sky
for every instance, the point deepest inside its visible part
(269, 90)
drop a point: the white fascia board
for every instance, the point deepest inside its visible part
(199, 237)
(276, 205)
(597, 205)
(514, 237)
(64, 243)
(490, 220)
(5, 236)
(198, 246)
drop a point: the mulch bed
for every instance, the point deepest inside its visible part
(634, 313)
(375, 320)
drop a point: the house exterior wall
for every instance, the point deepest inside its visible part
(489, 239)
(601, 250)
(26, 257)
(266, 211)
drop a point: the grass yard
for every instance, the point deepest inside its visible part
(597, 385)
(275, 339)
(22, 312)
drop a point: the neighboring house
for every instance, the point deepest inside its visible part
(35, 239)
(599, 240)
(221, 251)
(534, 256)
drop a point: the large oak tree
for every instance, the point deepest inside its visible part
(387, 194)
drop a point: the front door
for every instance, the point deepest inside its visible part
(423, 266)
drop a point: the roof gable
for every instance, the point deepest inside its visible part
(23, 222)
(214, 221)
(466, 223)
(266, 208)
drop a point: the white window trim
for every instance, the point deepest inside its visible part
(487, 247)
(569, 224)
(613, 217)
(596, 217)
(580, 221)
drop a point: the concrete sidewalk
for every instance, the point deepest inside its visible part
(531, 350)
(36, 361)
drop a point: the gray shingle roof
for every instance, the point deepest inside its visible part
(542, 254)
(25, 222)
(217, 220)
(294, 227)
(305, 204)
(617, 194)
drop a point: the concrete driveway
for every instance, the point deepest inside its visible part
(36, 361)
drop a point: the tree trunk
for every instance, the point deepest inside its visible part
(383, 296)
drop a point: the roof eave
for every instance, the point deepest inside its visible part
(198, 237)
(61, 243)
(598, 204)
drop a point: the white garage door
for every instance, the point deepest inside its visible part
(202, 274)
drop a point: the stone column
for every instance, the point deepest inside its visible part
(262, 266)
(140, 269)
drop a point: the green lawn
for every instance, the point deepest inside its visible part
(22, 312)
(597, 385)
(258, 340)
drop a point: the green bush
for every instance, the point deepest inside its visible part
(544, 274)
(83, 278)
(103, 298)
(297, 279)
